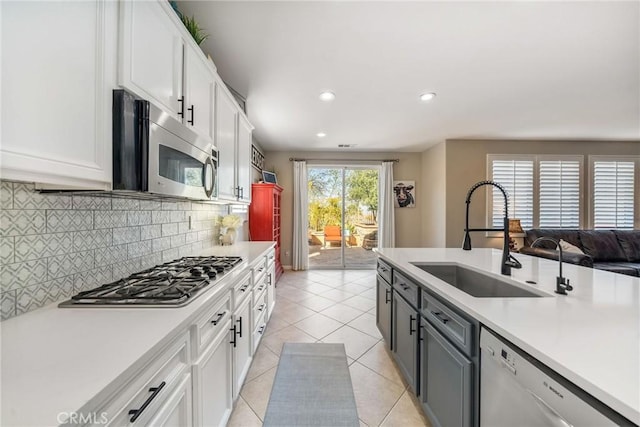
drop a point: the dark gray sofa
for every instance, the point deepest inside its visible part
(617, 251)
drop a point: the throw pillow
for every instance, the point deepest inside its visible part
(568, 247)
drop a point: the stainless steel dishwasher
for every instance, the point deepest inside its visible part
(515, 390)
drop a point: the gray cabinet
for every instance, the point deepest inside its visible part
(404, 333)
(447, 381)
(383, 309)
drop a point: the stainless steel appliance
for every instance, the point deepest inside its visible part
(517, 390)
(172, 284)
(155, 153)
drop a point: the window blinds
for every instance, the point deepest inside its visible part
(613, 186)
(559, 193)
(516, 176)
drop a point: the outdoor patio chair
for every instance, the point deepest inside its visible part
(332, 233)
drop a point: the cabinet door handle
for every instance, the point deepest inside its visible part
(242, 192)
(192, 108)
(181, 110)
(154, 392)
(387, 296)
(233, 341)
(217, 319)
(411, 328)
(240, 330)
(440, 316)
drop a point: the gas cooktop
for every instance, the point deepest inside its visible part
(172, 284)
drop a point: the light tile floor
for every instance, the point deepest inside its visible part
(331, 306)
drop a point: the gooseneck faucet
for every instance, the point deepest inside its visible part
(508, 261)
(562, 283)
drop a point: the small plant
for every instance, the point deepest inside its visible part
(194, 29)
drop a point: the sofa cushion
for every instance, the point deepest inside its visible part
(602, 245)
(630, 242)
(568, 247)
(616, 267)
(570, 236)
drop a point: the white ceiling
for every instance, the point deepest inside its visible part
(543, 70)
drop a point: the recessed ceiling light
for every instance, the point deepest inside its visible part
(321, 134)
(327, 96)
(427, 96)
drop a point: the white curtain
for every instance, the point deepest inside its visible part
(386, 219)
(300, 216)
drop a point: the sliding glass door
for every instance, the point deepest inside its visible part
(343, 207)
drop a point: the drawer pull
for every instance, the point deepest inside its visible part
(261, 330)
(387, 296)
(217, 319)
(234, 333)
(440, 317)
(261, 307)
(383, 269)
(411, 328)
(244, 288)
(154, 392)
(261, 288)
(240, 329)
(260, 269)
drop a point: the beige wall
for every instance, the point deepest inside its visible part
(408, 220)
(433, 195)
(466, 164)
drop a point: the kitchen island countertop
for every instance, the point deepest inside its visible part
(590, 336)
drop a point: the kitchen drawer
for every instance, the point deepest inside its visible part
(384, 270)
(406, 288)
(260, 329)
(453, 326)
(149, 390)
(271, 257)
(259, 269)
(259, 307)
(242, 289)
(210, 324)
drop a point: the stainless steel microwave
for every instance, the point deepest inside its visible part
(155, 153)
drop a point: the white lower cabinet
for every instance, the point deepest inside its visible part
(271, 288)
(242, 350)
(212, 381)
(149, 394)
(177, 410)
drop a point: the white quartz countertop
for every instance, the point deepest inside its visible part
(590, 336)
(61, 360)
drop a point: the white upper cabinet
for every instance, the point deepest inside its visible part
(225, 119)
(58, 73)
(233, 139)
(161, 63)
(151, 56)
(244, 158)
(199, 89)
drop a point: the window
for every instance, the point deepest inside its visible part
(516, 176)
(614, 188)
(559, 193)
(544, 191)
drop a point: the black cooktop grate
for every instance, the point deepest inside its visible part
(171, 283)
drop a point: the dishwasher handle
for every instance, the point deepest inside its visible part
(555, 418)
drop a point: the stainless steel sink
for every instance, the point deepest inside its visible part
(477, 284)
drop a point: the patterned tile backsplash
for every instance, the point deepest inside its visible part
(55, 245)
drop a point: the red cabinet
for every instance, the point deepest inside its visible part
(264, 217)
